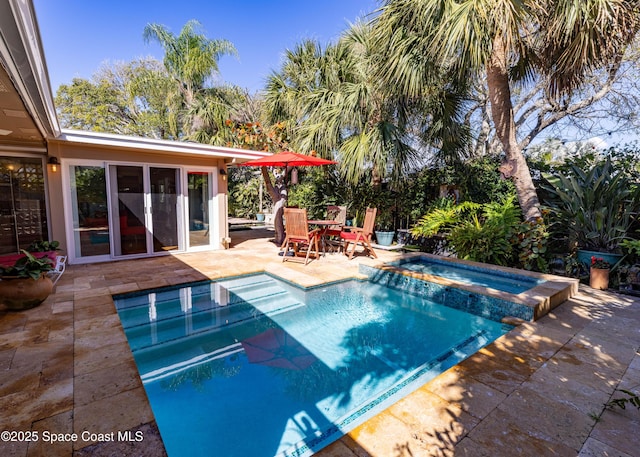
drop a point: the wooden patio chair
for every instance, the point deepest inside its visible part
(360, 235)
(338, 214)
(298, 235)
(332, 232)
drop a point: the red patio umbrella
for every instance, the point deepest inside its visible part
(276, 348)
(288, 159)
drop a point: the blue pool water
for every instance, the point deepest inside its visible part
(252, 366)
(466, 274)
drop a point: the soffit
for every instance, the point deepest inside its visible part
(26, 101)
(17, 127)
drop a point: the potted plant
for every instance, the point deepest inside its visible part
(384, 229)
(25, 284)
(632, 271)
(44, 248)
(599, 273)
(595, 207)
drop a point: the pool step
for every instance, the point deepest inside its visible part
(172, 320)
(199, 298)
(202, 289)
(169, 308)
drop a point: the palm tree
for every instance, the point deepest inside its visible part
(341, 107)
(509, 40)
(214, 108)
(191, 59)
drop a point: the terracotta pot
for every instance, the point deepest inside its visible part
(24, 293)
(599, 278)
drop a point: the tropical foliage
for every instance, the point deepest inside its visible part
(191, 60)
(244, 192)
(340, 107)
(596, 206)
(491, 232)
(27, 267)
(510, 42)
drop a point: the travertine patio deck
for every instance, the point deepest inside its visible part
(65, 368)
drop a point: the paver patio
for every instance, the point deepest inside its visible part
(65, 367)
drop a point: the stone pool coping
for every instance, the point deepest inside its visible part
(540, 299)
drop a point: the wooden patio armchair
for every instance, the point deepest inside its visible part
(331, 233)
(360, 235)
(298, 235)
(338, 214)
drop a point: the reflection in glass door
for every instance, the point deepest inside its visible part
(128, 208)
(23, 217)
(198, 196)
(164, 210)
(145, 202)
(89, 210)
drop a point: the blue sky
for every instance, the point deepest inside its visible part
(79, 35)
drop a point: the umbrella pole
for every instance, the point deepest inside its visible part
(286, 185)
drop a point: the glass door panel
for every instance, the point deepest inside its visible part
(89, 210)
(128, 207)
(198, 195)
(164, 208)
(23, 217)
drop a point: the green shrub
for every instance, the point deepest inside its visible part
(486, 242)
(532, 239)
(594, 207)
(491, 233)
(43, 246)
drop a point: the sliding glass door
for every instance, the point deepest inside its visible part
(89, 210)
(128, 209)
(164, 208)
(199, 198)
(144, 201)
(133, 210)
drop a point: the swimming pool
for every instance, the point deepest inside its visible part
(474, 287)
(467, 274)
(253, 366)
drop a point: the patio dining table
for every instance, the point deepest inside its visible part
(324, 224)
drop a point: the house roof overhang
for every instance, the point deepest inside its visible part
(139, 144)
(27, 112)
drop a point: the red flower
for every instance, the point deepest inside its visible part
(599, 262)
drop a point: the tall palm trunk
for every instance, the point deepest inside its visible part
(278, 194)
(196, 121)
(515, 166)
